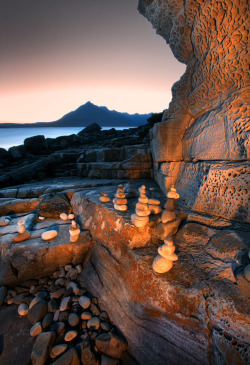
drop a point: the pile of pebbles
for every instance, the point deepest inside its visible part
(67, 324)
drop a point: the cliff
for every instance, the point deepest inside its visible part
(202, 142)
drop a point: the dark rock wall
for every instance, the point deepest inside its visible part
(208, 117)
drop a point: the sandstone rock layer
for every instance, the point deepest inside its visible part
(208, 117)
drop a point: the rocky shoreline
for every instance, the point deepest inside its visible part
(91, 153)
(67, 323)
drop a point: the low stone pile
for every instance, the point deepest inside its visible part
(67, 324)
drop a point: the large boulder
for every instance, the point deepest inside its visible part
(5, 157)
(53, 205)
(36, 145)
(91, 128)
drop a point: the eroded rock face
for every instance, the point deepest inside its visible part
(208, 117)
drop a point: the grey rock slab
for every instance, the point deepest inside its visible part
(42, 347)
(15, 340)
(8, 193)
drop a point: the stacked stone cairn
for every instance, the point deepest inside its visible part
(169, 222)
(22, 233)
(140, 217)
(4, 221)
(104, 198)
(67, 324)
(163, 262)
(74, 231)
(120, 201)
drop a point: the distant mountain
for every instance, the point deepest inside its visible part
(87, 114)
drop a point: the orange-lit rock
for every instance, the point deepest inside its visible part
(206, 127)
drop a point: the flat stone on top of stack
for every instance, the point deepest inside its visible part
(120, 201)
(140, 217)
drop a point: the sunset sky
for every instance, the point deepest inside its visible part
(58, 54)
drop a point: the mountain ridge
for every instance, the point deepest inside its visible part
(86, 114)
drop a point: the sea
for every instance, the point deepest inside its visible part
(10, 137)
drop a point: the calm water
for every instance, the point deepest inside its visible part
(10, 137)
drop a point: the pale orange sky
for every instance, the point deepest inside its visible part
(57, 55)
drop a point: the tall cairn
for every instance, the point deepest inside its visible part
(163, 262)
(140, 217)
(169, 222)
(120, 201)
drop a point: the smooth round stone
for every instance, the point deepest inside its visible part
(166, 250)
(94, 323)
(247, 272)
(63, 316)
(86, 316)
(36, 329)
(65, 304)
(121, 201)
(104, 199)
(161, 265)
(143, 200)
(38, 311)
(22, 237)
(141, 206)
(120, 195)
(72, 274)
(84, 302)
(56, 275)
(58, 293)
(34, 301)
(64, 216)
(154, 201)
(68, 267)
(105, 326)
(95, 309)
(72, 285)
(56, 315)
(167, 216)
(74, 232)
(23, 309)
(121, 207)
(154, 209)
(60, 281)
(173, 194)
(49, 235)
(53, 305)
(41, 218)
(4, 221)
(79, 268)
(139, 221)
(73, 319)
(62, 273)
(71, 216)
(58, 350)
(48, 320)
(142, 213)
(104, 316)
(69, 336)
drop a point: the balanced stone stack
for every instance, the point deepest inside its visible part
(74, 232)
(22, 233)
(163, 262)
(169, 222)
(120, 201)
(104, 198)
(140, 217)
